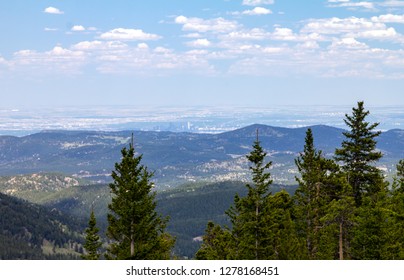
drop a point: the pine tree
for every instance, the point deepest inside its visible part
(92, 243)
(135, 229)
(250, 230)
(400, 175)
(337, 223)
(369, 232)
(309, 195)
(216, 244)
(320, 183)
(358, 154)
(394, 230)
(286, 244)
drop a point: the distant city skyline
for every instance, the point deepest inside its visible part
(201, 53)
(20, 122)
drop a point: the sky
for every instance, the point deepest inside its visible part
(201, 52)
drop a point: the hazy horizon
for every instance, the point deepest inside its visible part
(197, 119)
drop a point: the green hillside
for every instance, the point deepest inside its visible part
(29, 231)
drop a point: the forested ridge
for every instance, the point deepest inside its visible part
(29, 231)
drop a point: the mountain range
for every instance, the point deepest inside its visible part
(176, 158)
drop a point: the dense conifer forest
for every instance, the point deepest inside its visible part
(29, 231)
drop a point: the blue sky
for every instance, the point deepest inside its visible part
(201, 52)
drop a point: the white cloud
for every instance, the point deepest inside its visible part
(392, 3)
(128, 34)
(257, 11)
(181, 20)
(353, 5)
(157, 61)
(284, 34)
(53, 10)
(309, 45)
(3, 61)
(273, 50)
(143, 46)
(389, 33)
(56, 60)
(200, 43)
(78, 28)
(61, 52)
(348, 43)
(287, 34)
(162, 50)
(341, 25)
(257, 2)
(110, 57)
(192, 35)
(217, 25)
(246, 35)
(366, 5)
(389, 18)
(48, 29)
(99, 45)
(197, 52)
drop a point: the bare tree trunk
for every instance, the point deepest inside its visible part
(341, 250)
(132, 247)
(256, 232)
(132, 239)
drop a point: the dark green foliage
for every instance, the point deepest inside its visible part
(318, 203)
(337, 221)
(285, 242)
(189, 207)
(92, 243)
(217, 244)
(394, 209)
(369, 234)
(25, 228)
(358, 154)
(400, 175)
(135, 228)
(192, 206)
(311, 195)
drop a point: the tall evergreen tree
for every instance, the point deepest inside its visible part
(337, 222)
(320, 185)
(92, 244)
(400, 175)
(135, 229)
(370, 230)
(285, 243)
(250, 231)
(394, 232)
(216, 244)
(310, 196)
(358, 154)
